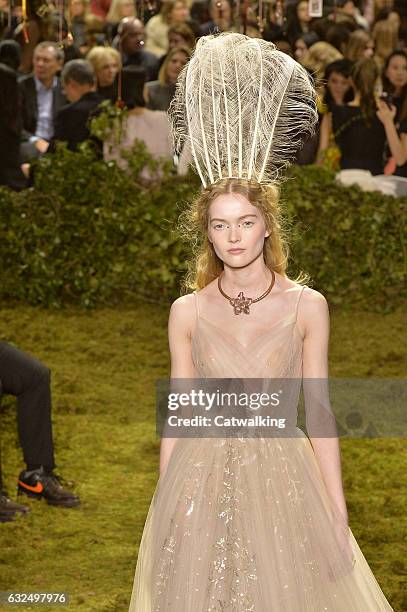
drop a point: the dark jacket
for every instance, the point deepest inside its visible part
(71, 123)
(30, 107)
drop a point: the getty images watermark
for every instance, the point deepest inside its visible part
(277, 407)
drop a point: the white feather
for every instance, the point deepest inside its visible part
(244, 113)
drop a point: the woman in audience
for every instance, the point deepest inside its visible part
(385, 37)
(159, 93)
(302, 44)
(298, 20)
(118, 10)
(358, 131)
(360, 45)
(179, 35)
(10, 126)
(151, 127)
(317, 58)
(77, 13)
(172, 12)
(106, 63)
(394, 79)
(338, 91)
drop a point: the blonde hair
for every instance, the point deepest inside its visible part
(385, 37)
(205, 265)
(168, 6)
(114, 15)
(318, 57)
(357, 44)
(98, 55)
(162, 75)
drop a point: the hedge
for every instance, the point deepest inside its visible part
(89, 233)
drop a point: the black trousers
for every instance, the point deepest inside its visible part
(29, 381)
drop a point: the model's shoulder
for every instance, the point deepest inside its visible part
(183, 305)
(312, 296)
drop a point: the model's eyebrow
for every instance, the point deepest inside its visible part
(242, 217)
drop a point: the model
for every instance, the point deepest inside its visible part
(247, 522)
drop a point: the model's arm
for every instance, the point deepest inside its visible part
(180, 323)
(313, 318)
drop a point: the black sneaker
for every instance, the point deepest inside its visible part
(43, 484)
(8, 508)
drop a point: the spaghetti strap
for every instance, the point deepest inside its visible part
(196, 304)
(298, 300)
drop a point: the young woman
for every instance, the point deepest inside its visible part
(159, 93)
(248, 522)
(358, 132)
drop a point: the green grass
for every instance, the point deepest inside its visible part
(104, 367)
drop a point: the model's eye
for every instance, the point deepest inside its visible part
(248, 223)
(218, 226)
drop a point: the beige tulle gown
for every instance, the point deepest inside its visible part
(245, 524)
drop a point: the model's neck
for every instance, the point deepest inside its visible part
(252, 280)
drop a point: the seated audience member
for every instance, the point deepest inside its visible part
(10, 54)
(41, 98)
(385, 37)
(394, 81)
(78, 11)
(131, 42)
(317, 58)
(179, 35)
(358, 132)
(152, 127)
(106, 63)
(100, 8)
(71, 123)
(360, 45)
(29, 381)
(338, 91)
(159, 93)
(172, 11)
(10, 128)
(303, 43)
(119, 9)
(220, 13)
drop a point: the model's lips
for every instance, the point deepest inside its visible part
(235, 250)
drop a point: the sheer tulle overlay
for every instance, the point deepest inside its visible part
(246, 524)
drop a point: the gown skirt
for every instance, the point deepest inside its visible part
(246, 524)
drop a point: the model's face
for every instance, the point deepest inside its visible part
(175, 65)
(107, 72)
(234, 223)
(338, 85)
(397, 71)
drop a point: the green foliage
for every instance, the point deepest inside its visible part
(90, 233)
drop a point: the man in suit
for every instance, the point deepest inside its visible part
(131, 41)
(41, 97)
(72, 121)
(29, 380)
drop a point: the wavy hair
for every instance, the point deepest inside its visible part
(204, 265)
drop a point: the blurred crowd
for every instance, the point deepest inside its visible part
(56, 68)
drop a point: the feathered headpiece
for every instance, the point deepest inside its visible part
(243, 107)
